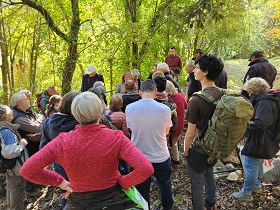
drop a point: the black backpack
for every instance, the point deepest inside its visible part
(6, 164)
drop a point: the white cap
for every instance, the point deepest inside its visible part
(91, 69)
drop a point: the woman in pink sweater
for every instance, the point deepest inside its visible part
(90, 155)
(180, 101)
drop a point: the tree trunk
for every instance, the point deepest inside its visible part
(131, 7)
(72, 53)
(111, 75)
(34, 55)
(69, 67)
(195, 40)
(5, 63)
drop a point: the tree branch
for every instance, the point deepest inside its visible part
(88, 20)
(45, 14)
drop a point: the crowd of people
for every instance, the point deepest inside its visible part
(100, 148)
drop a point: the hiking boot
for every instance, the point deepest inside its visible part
(241, 196)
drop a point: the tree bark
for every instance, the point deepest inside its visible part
(34, 54)
(72, 53)
(5, 64)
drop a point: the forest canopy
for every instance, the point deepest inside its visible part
(52, 42)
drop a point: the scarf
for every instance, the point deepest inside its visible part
(11, 127)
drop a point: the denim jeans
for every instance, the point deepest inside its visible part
(254, 172)
(201, 173)
(162, 172)
(60, 170)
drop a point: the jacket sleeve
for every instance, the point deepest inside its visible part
(245, 77)
(10, 148)
(263, 117)
(45, 139)
(34, 169)
(124, 128)
(102, 78)
(28, 125)
(83, 88)
(180, 64)
(118, 88)
(137, 160)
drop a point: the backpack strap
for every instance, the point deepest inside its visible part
(206, 96)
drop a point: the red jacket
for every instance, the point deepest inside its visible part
(90, 156)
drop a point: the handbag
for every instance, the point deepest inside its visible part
(261, 148)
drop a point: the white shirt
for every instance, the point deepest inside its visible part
(148, 119)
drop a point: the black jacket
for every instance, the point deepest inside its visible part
(261, 68)
(265, 117)
(193, 85)
(87, 81)
(221, 81)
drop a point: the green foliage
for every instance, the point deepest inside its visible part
(115, 36)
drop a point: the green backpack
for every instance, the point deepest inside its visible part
(227, 125)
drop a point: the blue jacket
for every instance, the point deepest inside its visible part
(56, 124)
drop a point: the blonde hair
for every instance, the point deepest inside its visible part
(256, 85)
(157, 73)
(170, 88)
(87, 108)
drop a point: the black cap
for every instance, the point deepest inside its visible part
(256, 54)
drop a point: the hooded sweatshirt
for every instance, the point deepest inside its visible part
(56, 124)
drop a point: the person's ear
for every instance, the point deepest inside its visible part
(205, 72)
(155, 91)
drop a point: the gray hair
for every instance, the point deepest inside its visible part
(98, 83)
(191, 63)
(4, 111)
(87, 108)
(256, 85)
(135, 72)
(16, 98)
(163, 66)
(25, 92)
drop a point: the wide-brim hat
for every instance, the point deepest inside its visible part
(90, 69)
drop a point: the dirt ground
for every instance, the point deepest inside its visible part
(47, 198)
